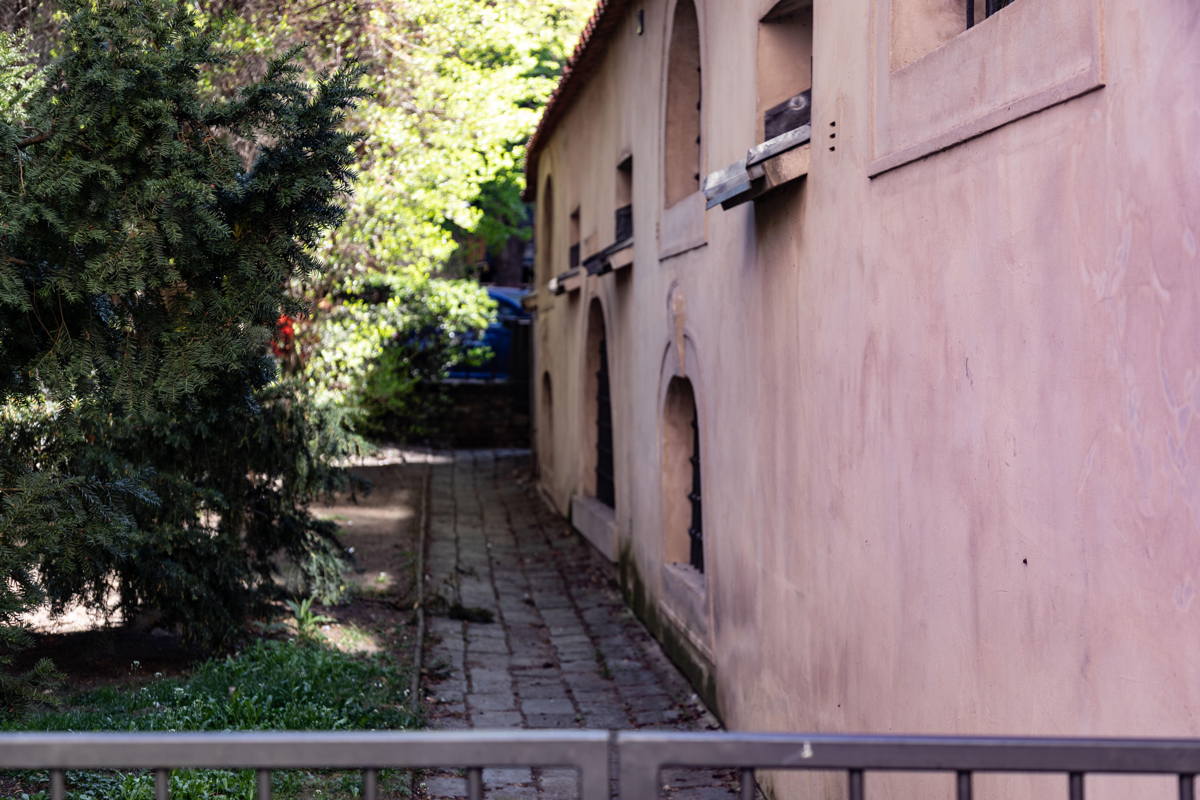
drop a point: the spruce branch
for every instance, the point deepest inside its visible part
(37, 138)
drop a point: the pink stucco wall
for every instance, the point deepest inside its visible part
(950, 413)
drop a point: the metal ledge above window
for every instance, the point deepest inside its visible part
(616, 256)
(569, 281)
(766, 166)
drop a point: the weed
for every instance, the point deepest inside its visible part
(308, 622)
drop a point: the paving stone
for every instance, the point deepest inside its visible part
(590, 683)
(492, 701)
(543, 691)
(559, 784)
(547, 706)
(507, 776)
(495, 719)
(553, 720)
(445, 787)
(608, 718)
(496, 545)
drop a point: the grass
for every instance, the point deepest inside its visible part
(272, 685)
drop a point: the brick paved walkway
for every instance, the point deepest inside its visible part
(562, 652)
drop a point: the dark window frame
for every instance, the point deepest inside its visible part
(989, 7)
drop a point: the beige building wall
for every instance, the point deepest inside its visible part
(948, 383)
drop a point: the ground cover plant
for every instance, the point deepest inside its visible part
(297, 684)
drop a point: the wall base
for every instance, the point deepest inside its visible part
(597, 523)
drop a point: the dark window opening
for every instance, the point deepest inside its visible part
(785, 55)
(573, 252)
(623, 222)
(605, 485)
(982, 9)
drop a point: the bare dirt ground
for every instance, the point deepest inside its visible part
(383, 531)
(382, 528)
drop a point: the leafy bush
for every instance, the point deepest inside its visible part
(384, 348)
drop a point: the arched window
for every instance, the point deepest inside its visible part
(682, 133)
(684, 519)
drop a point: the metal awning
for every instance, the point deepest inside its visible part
(745, 180)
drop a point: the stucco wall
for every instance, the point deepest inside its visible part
(949, 412)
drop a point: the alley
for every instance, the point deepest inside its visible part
(533, 632)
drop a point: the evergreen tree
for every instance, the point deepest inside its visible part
(151, 450)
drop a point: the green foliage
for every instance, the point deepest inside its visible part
(308, 622)
(19, 78)
(152, 452)
(384, 348)
(272, 685)
(458, 87)
(161, 206)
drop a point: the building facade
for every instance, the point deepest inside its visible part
(868, 346)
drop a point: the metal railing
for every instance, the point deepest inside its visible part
(641, 756)
(585, 751)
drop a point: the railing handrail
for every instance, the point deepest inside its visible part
(916, 753)
(300, 749)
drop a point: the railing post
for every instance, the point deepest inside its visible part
(264, 784)
(162, 784)
(1075, 786)
(964, 785)
(855, 779)
(748, 787)
(58, 784)
(475, 783)
(637, 770)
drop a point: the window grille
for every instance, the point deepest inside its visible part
(696, 529)
(989, 7)
(624, 220)
(605, 488)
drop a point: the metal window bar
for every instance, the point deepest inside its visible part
(585, 751)
(605, 484)
(989, 7)
(643, 755)
(624, 223)
(696, 529)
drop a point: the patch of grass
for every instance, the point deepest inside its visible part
(272, 685)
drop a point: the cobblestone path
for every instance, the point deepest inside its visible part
(562, 650)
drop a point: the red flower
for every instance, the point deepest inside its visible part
(285, 336)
